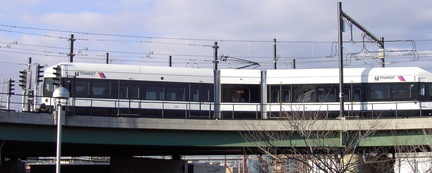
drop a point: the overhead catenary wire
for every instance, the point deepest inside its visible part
(142, 37)
(120, 55)
(163, 38)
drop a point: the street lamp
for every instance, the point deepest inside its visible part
(61, 95)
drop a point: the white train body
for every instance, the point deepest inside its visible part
(360, 84)
(171, 92)
(125, 83)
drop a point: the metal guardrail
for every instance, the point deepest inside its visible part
(234, 110)
(353, 109)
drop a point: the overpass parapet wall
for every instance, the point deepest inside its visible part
(220, 125)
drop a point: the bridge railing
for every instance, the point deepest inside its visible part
(184, 109)
(353, 109)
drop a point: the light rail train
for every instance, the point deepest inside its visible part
(172, 92)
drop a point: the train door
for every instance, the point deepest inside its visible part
(128, 102)
(425, 96)
(353, 94)
(200, 98)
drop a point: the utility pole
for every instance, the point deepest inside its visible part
(379, 42)
(340, 42)
(215, 57)
(71, 54)
(274, 54)
(107, 58)
(216, 87)
(381, 53)
(294, 63)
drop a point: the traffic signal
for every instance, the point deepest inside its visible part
(11, 86)
(57, 78)
(39, 73)
(23, 79)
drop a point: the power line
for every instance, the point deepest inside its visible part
(363, 55)
(142, 37)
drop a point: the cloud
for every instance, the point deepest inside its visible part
(235, 19)
(243, 28)
(220, 21)
(77, 21)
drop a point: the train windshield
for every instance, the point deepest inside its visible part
(48, 87)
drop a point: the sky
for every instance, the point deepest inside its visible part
(147, 32)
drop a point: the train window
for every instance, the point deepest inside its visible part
(326, 94)
(422, 89)
(304, 93)
(154, 93)
(175, 93)
(352, 95)
(378, 92)
(48, 87)
(401, 91)
(194, 92)
(128, 90)
(200, 92)
(81, 88)
(357, 94)
(286, 95)
(101, 88)
(273, 93)
(134, 92)
(124, 90)
(275, 96)
(347, 95)
(240, 95)
(430, 90)
(206, 93)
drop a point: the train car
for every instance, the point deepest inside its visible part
(132, 90)
(368, 92)
(171, 92)
(240, 93)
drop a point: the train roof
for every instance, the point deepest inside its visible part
(134, 72)
(156, 73)
(351, 75)
(242, 76)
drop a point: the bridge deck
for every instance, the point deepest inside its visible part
(33, 134)
(411, 123)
